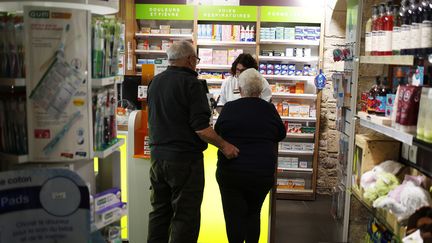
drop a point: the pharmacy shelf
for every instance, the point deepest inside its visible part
(300, 135)
(293, 96)
(289, 59)
(168, 36)
(291, 78)
(110, 150)
(138, 51)
(214, 81)
(225, 43)
(389, 60)
(280, 190)
(102, 82)
(388, 131)
(422, 144)
(295, 152)
(300, 119)
(12, 158)
(291, 42)
(213, 67)
(100, 225)
(281, 170)
(18, 82)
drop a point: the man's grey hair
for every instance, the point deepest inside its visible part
(251, 83)
(180, 50)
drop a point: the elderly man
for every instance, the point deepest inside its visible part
(179, 118)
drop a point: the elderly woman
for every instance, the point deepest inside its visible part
(255, 128)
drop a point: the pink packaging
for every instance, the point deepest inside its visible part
(401, 90)
(220, 57)
(233, 54)
(206, 55)
(226, 33)
(236, 32)
(410, 108)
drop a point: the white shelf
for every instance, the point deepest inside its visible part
(295, 169)
(169, 36)
(301, 119)
(98, 226)
(18, 82)
(300, 135)
(292, 78)
(295, 152)
(138, 51)
(291, 42)
(289, 59)
(110, 150)
(280, 190)
(294, 96)
(225, 43)
(388, 131)
(214, 81)
(213, 67)
(102, 82)
(389, 60)
(12, 158)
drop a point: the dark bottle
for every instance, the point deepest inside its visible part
(416, 21)
(426, 28)
(405, 27)
(396, 35)
(373, 92)
(380, 100)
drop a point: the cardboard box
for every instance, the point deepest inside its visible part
(220, 57)
(106, 199)
(371, 150)
(206, 55)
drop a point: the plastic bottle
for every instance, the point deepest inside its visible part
(374, 51)
(247, 33)
(252, 34)
(415, 31)
(371, 103)
(320, 80)
(405, 27)
(242, 33)
(396, 35)
(388, 30)
(368, 37)
(426, 28)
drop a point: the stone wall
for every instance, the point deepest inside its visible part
(328, 164)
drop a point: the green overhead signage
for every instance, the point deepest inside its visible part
(164, 12)
(291, 14)
(228, 13)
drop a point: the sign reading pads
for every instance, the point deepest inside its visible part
(43, 205)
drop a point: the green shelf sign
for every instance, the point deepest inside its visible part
(228, 13)
(291, 14)
(164, 12)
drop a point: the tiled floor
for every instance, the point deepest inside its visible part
(306, 221)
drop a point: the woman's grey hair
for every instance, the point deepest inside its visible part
(250, 83)
(180, 50)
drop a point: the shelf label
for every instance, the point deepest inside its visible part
(291, 14)
(164, 12)
(227, 13)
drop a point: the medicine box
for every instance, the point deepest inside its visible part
(220, 57)
(206, 55)
(110, 214)
(106, 199)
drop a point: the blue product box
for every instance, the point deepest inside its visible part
(390, 99)
(277, 67)
(270, 72)
(291, 67)
(298, 72)
(298, 37)
(309, 37)
(262, 71)
(388, 111)
(284, 72)
(263, 66)
(270, 66)
(291, 72)
(277, 72)
(284, 67)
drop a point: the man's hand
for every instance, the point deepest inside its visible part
(230, 151)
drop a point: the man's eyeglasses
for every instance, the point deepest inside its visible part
(198, 59)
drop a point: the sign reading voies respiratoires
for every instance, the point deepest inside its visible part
(228, 13)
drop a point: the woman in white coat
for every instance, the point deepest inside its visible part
(230, 88)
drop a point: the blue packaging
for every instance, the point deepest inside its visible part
(298, 73)
(270, 66)
(277, 72)
(284, 72)
(284, 67)
(263, 66)
(291, 67)
(299, 37)
(277, 67)
(270, 72)
(262, 71)
(291, 72)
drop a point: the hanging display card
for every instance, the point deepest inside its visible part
(43, 205)
(58, 91)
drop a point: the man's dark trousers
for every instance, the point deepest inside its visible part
(176, 196)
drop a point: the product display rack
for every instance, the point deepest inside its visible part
(415, 154)
(84, 168)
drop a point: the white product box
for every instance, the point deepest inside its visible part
(304, 110)
(106, 199)
(110, 214)
(303, 164)
(206, 55)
